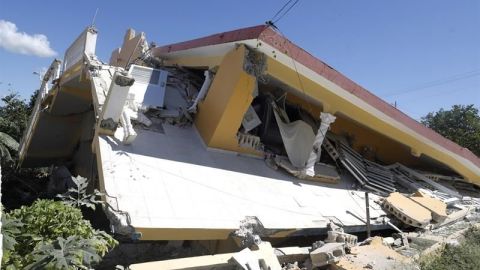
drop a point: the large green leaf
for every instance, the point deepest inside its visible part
(54, 235)
(78, 195)
(4, 153)
(10, 230)
(8, 141)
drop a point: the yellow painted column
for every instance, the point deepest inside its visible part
(231, 93)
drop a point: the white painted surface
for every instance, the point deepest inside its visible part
(149, 86)
(171, 181)
(115, 100)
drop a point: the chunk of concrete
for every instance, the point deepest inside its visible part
(350, 240)
(388, 241)
(437, 208)
(246, 259)
(327, 254)
(407, 210)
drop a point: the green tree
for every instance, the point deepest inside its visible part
(20, 186)
(460, 124)
(52, 235)
(14, 113)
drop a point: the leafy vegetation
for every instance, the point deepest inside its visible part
(47, 234)
(65, 253)
(460, 124)
(52, 235)
(14, 114)
(465, 256)
(7, 144)
(20, 186)
(78, 195)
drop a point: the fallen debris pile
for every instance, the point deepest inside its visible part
(339, 250)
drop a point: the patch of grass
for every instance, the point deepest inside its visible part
(464, 256)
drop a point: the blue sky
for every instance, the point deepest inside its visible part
(423, 54)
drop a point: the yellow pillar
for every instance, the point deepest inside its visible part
(231, 93)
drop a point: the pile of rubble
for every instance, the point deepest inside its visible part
(339, 250)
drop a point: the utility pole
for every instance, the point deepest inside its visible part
(367, 208)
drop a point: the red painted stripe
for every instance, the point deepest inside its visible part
(276, 40)
(225, 37)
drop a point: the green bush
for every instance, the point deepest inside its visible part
(52, 235)
(465, 256)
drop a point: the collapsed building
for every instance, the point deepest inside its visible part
(240, 136)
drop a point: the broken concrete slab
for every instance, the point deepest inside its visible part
(437, 208)
(407, 211)
(247, 260)
(454, 216)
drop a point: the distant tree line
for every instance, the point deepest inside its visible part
(460, 124)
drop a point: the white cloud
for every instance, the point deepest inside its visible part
(23, 43)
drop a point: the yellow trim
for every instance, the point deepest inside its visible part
(71, 71)
(183, 234)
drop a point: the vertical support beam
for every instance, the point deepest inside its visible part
(314, 157)
(231, 93)
(115, 101)
(203, 91)
(367, 210)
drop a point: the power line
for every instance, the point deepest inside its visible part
(280, 10)
(434, 83)
(279, 15)
(439, 93)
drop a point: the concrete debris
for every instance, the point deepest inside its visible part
(287, 255)
(376, 255)
(247, 260)
(437, 208)
(249, 141)
(398, 242)
(292, 266)
(454, 217)
(317, 244)
(327, 254)
(262, 257)
(336, 235)
(388, 241)
(407, 211)
(249, 231)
